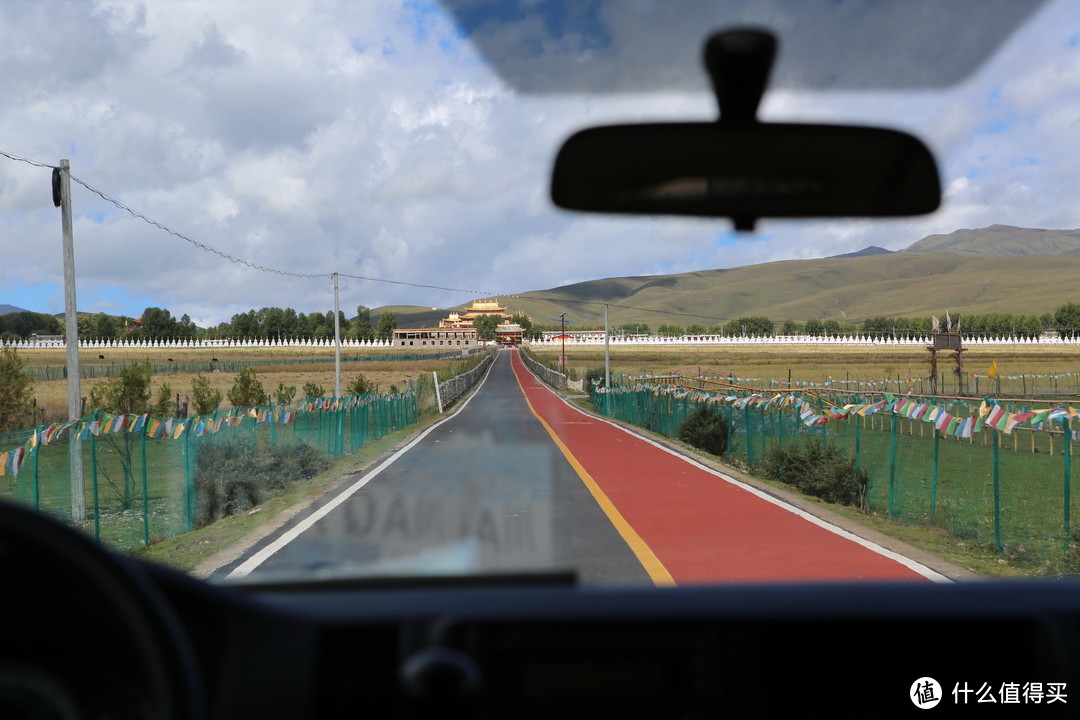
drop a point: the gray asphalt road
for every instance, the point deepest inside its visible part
(487, 491)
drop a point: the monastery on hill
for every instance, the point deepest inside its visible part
(479, 308)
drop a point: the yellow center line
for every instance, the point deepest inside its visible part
(656, 570)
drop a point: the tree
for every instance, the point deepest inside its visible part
(523, 320)
(387, 325)
(671, 330)
(105, 327)
(791, 327)
(814, 327)
(360, 385)
(485, 326)
(127, 392)
(1067, 320)
(362, 328)
(247, 390)
(284, 394)
(312, 390)
(16, 392)
(205, 399)
(751, 325)
(158, 323)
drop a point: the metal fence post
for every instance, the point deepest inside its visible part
(189, 482)
(858, 442)
(93, 480)
(145, 494)
(997, 494)
(892, 470)
(934, 477)
(749, 437)
(1067, 514)
(37, 451)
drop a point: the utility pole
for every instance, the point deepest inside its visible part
(62, 198)
(337, 341)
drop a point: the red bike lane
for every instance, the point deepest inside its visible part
(689, 524)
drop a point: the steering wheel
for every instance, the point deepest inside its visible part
(40, 555)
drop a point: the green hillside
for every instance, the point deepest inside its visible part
(992, 270)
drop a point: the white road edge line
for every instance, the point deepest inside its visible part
(294, 532)
(907, 562)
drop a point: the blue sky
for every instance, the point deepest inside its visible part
(372, 139)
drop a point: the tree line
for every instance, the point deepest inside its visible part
(159, 324)
(277, 323)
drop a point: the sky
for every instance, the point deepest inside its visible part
(377, 139)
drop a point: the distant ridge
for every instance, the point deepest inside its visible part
(1002, 241)
(7, 309)
(866, 251)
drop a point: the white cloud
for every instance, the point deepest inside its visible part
(368, 139)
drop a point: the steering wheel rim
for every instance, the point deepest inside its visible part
(150, 623)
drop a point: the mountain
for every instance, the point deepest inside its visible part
(1002, 241)
(870, 250)
(6, 309)
(845, 289)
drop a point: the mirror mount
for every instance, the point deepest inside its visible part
(739, 63)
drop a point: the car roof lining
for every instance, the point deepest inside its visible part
(611, 46)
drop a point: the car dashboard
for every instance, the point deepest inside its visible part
(91, 634)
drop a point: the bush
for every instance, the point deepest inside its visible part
(205, 399)
(247, 390)
(360, 385)
(238, 472)
(823, 472)
(284, 394)
(705, 429)
(311, 390)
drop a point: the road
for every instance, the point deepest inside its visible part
(519, 480)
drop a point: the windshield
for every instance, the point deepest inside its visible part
(329, 323)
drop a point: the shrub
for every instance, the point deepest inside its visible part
(238, 472)
(204, 399)
(16, 392)
(312, 390)
(705, 429)
(823, 472)
(247, 390)
(360, 385)
(284, 394)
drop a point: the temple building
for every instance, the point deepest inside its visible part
(479, 308)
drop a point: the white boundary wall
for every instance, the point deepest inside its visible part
(1045, 339)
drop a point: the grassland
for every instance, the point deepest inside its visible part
(52, 395)
(817, 364)
(848, 290)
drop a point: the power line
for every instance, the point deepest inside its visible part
(287, 273)
(19, 158)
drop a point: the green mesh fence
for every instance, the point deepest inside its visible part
(103, 370)
(139, 487)
(1010, 492)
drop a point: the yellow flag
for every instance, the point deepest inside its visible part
(993, 368)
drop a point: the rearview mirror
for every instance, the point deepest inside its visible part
(741, 168)
(746, 171)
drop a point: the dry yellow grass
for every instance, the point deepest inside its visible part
(52, 395)
(813, 363)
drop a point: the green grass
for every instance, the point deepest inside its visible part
(185, 552)
(122, 527)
